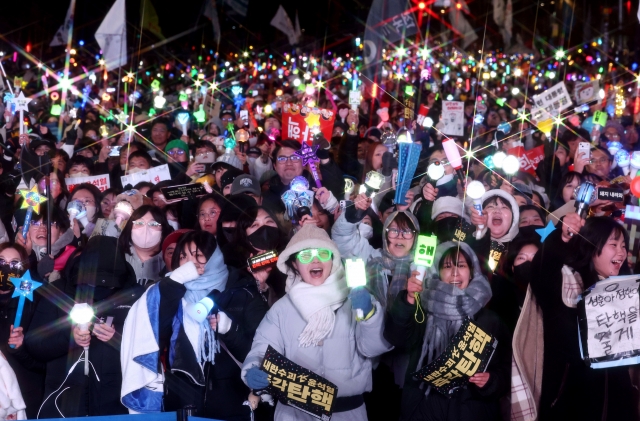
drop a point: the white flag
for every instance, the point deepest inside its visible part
(461, 24)
(60, 38)
(211, 12)
(112, 36)
(282, 22)
(298, 30)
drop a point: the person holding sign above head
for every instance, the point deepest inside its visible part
(316, 326)
(454, 289)
(573, 258)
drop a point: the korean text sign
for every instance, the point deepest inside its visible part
(554, 100)
(298, 120)
(100, 181)
(609, 323)
(530, 159)
(468, 353)
(298, 387)
(153, 175)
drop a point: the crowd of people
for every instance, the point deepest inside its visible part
(183, 318)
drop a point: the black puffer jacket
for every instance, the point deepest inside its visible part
(225, 392)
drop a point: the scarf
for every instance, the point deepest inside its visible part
(63, 241)
(572, 286)
(201, 336)
(379, 270)
(317, 306)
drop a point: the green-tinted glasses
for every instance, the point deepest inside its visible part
(306, 256)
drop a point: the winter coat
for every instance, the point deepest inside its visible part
(68, 392)
(570, 389)
(225, 392)
(344, 358)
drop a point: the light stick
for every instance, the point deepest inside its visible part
(242, 137)
(409, 154)
(32, 201)
(635, 163)
(21, 103)
(356, 277)
(308, 156)
(81, 314)
(585, 195)
(475, 190)
(498, 159)
(613, 147)
(388, 139)
(200, 310)
(510, 166)
(122, 211)
(623, 160)
(183, 119)
(435, 171)
(348, 188)
(24, 289)
(453, 156)
(76, 210)
(423, 259)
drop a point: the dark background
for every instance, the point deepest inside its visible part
(326, 24)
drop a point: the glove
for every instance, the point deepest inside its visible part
(185, 273)
(361, 300)
(388, 163)
(256, 379)
(72, 135)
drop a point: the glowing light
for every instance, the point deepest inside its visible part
(498, 159)
(427, 122)
(296, 82)
(517, 72)
(401, 51)
(515, 91)
(101, 62)
(511, 164)
(559, 54)
(65, 83)
(268, 109)
(421, 5)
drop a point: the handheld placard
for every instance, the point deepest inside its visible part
(423, 259)
(356, 277)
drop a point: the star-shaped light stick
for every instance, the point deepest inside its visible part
(309, 157)
(21, 102)
(24, 289)
(32, 201)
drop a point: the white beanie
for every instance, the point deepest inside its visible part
(447, 204)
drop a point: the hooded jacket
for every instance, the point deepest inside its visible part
(432, 336)
(68, 392)
(344, 356)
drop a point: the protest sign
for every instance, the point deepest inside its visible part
(554, 100)
(611, 194)
(298, 387)
(530, 159)
(468, 353)
(297, 122)
(608, 322)
(153, 175)
(183, 191)
(453, 118)
(102, 182)
(585, 92)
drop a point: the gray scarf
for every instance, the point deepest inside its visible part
(380, 269)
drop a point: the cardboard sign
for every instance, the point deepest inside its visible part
(608, 320)
(262, 261)
(613, 195)
(296, 118)
(153, 175)
(600, 118)
(453, 118)
(298, 387)
(554, 100)
(183, 191)
(585, 92)
(468, 353)
(530, 159)
(100, 181)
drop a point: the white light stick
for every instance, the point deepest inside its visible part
(475, 190)
(21, 103)
(183, 118)
(498, 159)
(510, 166)
(81, 314)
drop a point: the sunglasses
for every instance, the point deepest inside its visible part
(306, 256)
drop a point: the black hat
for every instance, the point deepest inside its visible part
(228, 177)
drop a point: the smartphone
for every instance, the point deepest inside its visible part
(115, 151)
(244, 115)
(584, 147)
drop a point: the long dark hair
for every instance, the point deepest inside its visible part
(245, 221)
(454, 254)
(124, 242)
(558, 201)
(204, 241)
(590, 242)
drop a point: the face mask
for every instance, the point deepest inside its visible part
(123, 167)
(145, 238)
(366, 231)
(78, 174)
(445, 228)
(174, 224)
(5, 273)
(529, 231)
(265, 238)
(522, 272)
(228, 233)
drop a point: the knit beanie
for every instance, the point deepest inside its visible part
(177, 143)
(446, 204)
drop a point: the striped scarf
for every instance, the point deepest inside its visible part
(387, 275)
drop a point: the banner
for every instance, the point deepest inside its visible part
(153, 175)
(453, 118)
(297, 122)
(530, 159)
(554, 100)
(468, 353)
(298, 387)
(608, 321)
(100, 181)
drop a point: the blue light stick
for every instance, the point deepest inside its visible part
(409, 153)
(24, 289)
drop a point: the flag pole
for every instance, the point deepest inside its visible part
(65, 75)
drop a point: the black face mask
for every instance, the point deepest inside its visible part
(265, 238)
(5, 273)
(445, 228)
(529, 232)
(228, 233)
(521, 273)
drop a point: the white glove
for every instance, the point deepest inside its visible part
(185, 273)
(224, 325)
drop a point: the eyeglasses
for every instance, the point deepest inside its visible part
(395, 233)
(283, 159)
(210, 215)
(151, 224)
(306, 256)
(612, 136)
(601, 161)
(41, 223)
(178, 152)
(87, 202)
(13, 265)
